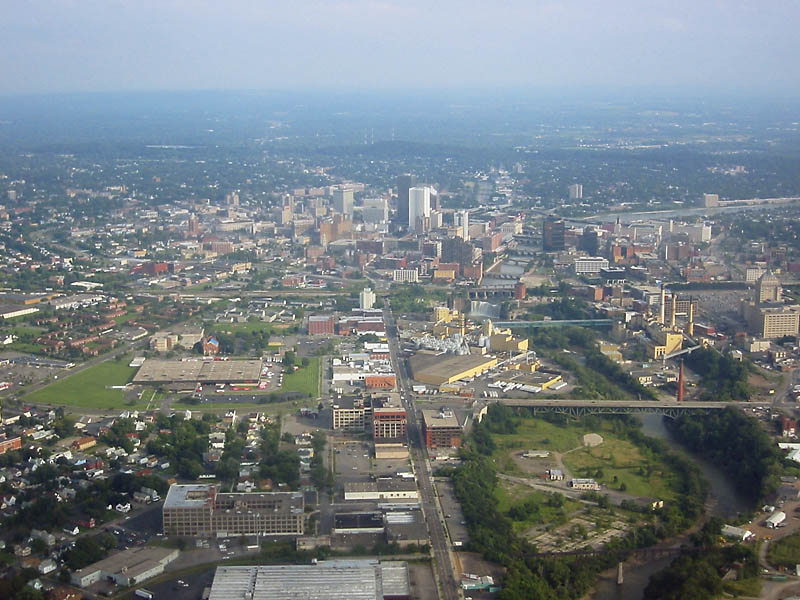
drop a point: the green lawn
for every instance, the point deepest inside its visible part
(639, 474)
(510, 495)
(305, 379)
(122, 319)
(87, 388)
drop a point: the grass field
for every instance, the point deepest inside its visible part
(510, 495)
(304, 380)
(122, 319)
(87, 388)
(620, 465)
(616, 462)
(785, 552)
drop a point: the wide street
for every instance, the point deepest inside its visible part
(448, 585)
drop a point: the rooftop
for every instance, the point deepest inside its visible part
(328, 580)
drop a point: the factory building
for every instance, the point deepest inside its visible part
(438, 369)
(203, 511)
(345, 579)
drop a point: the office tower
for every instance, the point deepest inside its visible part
(456, 250)
(366, 299)
(589, 241)
(768, 289)
(710, 200)
(343, 201)
(553, 235)
(376, 210)
(193, 229)
(461, 221)
(575, 191)
(404, 183)
(419, 207)
(232, 199)
(436, 219)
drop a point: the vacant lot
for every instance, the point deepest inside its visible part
(304, 380)
(89, 388)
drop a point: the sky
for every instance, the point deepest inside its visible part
(51, 46)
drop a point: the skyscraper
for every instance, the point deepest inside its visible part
(404, 183)
(461, 220)
(419, 206)
(553, 235)
(575, 191)
(768, 289)
(343, 201)
(366, 299)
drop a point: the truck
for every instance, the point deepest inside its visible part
(143, 593)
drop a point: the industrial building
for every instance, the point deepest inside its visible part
(436, 369)
(199, 371)
(326, 580)
(202, 511)
(441, 429)
(126, 568)
(385, 488)
(350, 413)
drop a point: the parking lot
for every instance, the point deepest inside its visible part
(453, 517)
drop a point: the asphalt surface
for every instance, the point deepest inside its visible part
(448, 585)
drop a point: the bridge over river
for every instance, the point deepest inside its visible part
(577, 408)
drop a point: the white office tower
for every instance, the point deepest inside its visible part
(375, 211)
(575, 191)
(437, 219)
(366, 299)
(461, 220)
(419, 207)
(343, 201)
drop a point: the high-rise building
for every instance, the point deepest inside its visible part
(456, 250)
(575, 191)
(404, 183)
(193, 228)
(366, 299)
(553, 235)
(376, 210)
(710, 200)
(589, 241)
(768, 289)
(419, 207)
(461, 221)
(232, 199)
(343, 201)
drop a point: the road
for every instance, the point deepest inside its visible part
(443, 565)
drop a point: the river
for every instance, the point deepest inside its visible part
(725, 501)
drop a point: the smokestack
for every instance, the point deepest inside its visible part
(662, 315)
(680, 382)
(673, 311)
(690, 327)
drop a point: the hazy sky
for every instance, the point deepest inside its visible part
(100, 45)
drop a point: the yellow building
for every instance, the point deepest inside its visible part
(442, 313)
(505, 342)
(441, 369)
(662, 341)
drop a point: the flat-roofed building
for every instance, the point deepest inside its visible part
(321, 325)
(350, 414)
(384, 488)
(203, 511)
(441, 429)
(772, 320)
(389, 422)
(126, 568)
(436, 369)
(199, 371)
(326, 580)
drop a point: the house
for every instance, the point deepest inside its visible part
(788, 427)
(48, 565)
(211, 346)
(84, 443)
